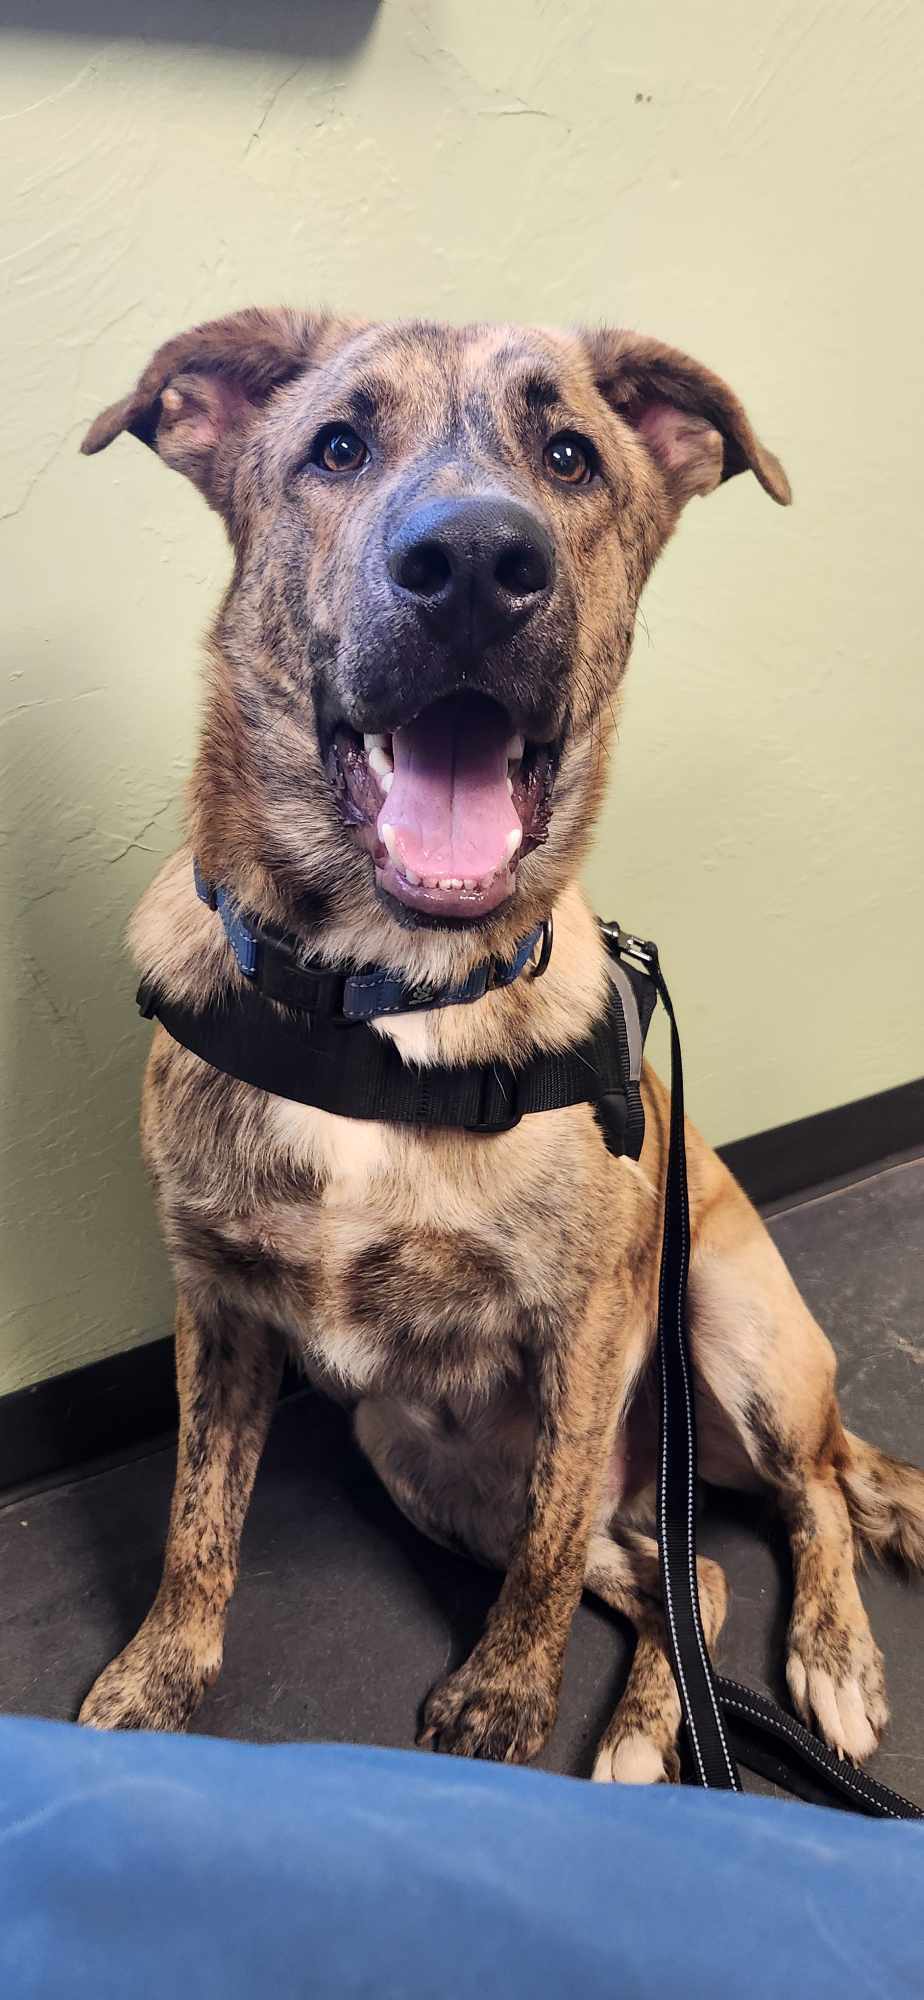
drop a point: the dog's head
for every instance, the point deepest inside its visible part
(440, 536)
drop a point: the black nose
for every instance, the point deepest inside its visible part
(475, 567)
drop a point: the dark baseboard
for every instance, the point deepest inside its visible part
(113, 1408)
(104, 1412)
(844, 1141)
(109, 1407)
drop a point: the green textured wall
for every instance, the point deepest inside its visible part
(741, 179)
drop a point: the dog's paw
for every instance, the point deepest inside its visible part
(837, 1683)
(486, 1709)
(156, 1683)
(635, 1759)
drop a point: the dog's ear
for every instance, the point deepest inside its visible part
(201, 391)
(694, 427)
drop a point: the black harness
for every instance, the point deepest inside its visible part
(300, 1030)
(317, 1047)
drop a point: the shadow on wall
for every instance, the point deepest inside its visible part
(335, 28)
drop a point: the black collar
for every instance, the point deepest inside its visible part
(271, 963)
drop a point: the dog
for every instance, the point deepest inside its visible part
(439, 537)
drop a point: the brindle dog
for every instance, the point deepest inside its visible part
(440, 537)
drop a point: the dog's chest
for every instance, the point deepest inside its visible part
(388, 1260)
(416, 1287)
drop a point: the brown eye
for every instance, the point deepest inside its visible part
(338, 449)
(570, 459)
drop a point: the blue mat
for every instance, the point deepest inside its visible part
(135, 1866)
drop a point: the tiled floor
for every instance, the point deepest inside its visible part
(344, 1616)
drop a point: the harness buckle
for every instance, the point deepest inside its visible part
(498, 1110)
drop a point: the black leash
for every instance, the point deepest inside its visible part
(723, 1720)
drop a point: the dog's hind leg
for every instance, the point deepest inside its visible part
(228, 1372)
(639, 1746)
(769, 1372)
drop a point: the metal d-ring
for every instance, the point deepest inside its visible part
(545, 950)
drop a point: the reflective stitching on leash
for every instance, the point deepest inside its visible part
(697, 1625)
(665, 1562)
(780, 1721)
(691, 1496)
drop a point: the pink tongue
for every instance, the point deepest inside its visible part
(449, 809)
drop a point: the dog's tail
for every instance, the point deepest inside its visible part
(885, 1500)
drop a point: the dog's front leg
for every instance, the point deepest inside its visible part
(502, 1703)
(228, 1372)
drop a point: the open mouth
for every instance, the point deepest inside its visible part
(447, 805)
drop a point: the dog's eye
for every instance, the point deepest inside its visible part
(570, 458)
(338, 449)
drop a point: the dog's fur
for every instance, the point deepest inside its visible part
(488, 1303)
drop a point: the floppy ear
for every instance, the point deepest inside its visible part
(692, 424)
(197, 397)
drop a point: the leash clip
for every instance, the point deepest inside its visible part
(625, 944)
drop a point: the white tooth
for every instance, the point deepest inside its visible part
(449, 882)
(413, 879)
(510, 786)
(515, 749)
(387, 780)
(380, 762)
(469, 883)
(514, 838)
(391, 840)
(376, 742)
